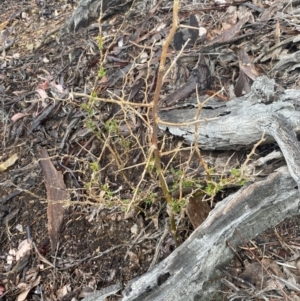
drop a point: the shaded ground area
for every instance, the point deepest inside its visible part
(101, 145)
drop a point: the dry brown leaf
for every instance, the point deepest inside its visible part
(18, 116)
(19, 92)
(229, 34)
(230, 18)
(24, 249)
(58, 87)
(42, 93)
(246, 65)
(241, 84)
(57, 195)
(272, 266)
(43, 85)
(197, 210)
(133, 258)
(9, 162)
(26, 288)
(277, 34)
(61, 292)
(247, 71)
(3, 25)
(254, 274)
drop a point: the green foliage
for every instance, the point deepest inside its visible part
(91, 125)
(108, 193)
(150, 198)
(89, 107)
(242, 182)
(125, 143)
(211, 170)
(86, 107)
(176, 173)
(188, 183)
(178, 205)
(94, 166)
(101, 72)
(111, 126)
(235, 172)
(100, 42)
(125, 202)
(238, 175)
(151, 164)
(88, 186)
(180, 180)
(212, 188)
(235, 178)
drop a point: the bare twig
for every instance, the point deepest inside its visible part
(155, 148)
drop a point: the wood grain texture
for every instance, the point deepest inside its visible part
(191, 268)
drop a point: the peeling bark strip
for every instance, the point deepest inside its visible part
(56, 195)
(189, 273)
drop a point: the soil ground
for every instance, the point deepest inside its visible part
(99, 244)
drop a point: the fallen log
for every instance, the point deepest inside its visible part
(233, 124)
(190, 273)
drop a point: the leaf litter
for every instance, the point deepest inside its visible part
(88, 248)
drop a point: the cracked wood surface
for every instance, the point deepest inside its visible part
(233, 124)
(242, 122)
(283, 133)
(189, 272)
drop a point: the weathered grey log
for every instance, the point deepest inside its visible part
(100, 295)
(245, 123)
(189, 273)
(283, 133)
(233, 124)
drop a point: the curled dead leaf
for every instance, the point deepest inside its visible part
(18, 116)
(9, 162)
(3, 24)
